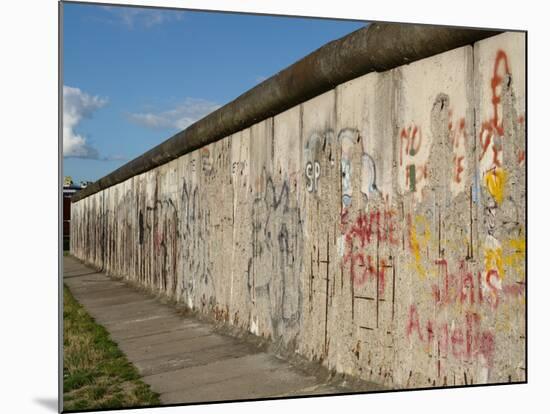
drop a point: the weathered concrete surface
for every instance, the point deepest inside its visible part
(183, 359)
(378, 227)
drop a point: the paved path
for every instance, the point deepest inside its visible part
(181, 358)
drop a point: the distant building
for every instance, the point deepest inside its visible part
(69, 188)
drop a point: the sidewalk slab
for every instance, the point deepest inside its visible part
(181, 358)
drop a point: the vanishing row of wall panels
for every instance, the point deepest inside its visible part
(378, 228)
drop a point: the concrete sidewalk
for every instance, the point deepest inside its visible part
(181, 358)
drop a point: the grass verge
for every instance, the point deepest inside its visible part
(96, 374)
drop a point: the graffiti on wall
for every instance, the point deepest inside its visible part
(471, 297)
(429, 240)
(313, 172)
(275, 266)
(313, 152)
(195, 228)
(413, 166)
(474, 296)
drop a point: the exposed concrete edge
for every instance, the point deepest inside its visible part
(377, 47)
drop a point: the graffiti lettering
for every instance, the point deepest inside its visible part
(277, 251)
(375, 227)
(412, 136)
(492, 130)
(465, 340)
(313, 172)
(462, 288)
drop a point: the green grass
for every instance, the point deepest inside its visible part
(96, 374)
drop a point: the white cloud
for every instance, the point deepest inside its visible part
(132, 17)
(180, 117)
(76, 106)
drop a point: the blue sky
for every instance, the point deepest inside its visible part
(133, 77)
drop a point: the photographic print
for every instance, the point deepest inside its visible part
(262, 207)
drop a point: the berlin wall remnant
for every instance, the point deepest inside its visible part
(378, 227)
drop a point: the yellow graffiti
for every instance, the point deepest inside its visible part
(518, 244)
(496, 259)
(516, 259)
(493, 260)
(495, 181)
(416, 251)
(419, 243)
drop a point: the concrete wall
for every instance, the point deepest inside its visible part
(378, 228)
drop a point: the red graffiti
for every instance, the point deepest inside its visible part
(459, 168)
(487, 347)
(362, 270)
(516, 290)
(456, 133)
(472, 323)
(414, 323)
(466, 286)
(410, 140)
(464, 340)
(157, 240)
(375, 226)
(457, 341)
(521, 156)
(493, 299)
(462, 288)
(412, 135)
(494, 127)
(344, 219)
